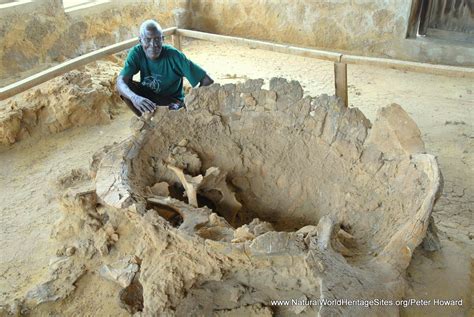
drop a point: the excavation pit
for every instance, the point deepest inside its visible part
(308, 191)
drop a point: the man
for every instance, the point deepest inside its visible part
(162, 68)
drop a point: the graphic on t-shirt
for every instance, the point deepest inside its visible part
(152, 82)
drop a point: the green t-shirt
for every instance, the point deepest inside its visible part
(164, 75)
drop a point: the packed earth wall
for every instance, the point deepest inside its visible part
(362, 27)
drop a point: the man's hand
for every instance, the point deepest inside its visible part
(206, 81)
(137, 103)
(143, 104)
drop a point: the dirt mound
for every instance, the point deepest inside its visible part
(81, 97)
(285, 197)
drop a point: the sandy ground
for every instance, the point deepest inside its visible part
(28, 198)
(441, 106)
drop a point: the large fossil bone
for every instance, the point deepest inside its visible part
(213, 180)
(191, 184)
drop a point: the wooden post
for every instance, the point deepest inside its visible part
(340, 81)
(176, 41)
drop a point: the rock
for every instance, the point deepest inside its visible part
(72, 100)
(259, 227)
(121, 272)
(63, 273)
(276, 243)
(287, 92)
(298, 309)
(185, 159)
(395, 133)
(104, 238)
(431, 241)
(70, 251)
(242, 234)
(252, 230)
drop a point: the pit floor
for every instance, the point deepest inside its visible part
(441, 106)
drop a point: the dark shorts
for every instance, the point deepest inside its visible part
(161, 101)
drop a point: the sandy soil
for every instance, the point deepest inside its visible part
(441, 106)
(28, 198)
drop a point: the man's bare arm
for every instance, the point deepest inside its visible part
(206, 81)
(141, 103)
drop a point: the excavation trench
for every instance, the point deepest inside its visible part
(287, 196)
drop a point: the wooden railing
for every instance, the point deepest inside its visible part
(340, 61)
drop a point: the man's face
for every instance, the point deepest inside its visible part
(152, 43)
